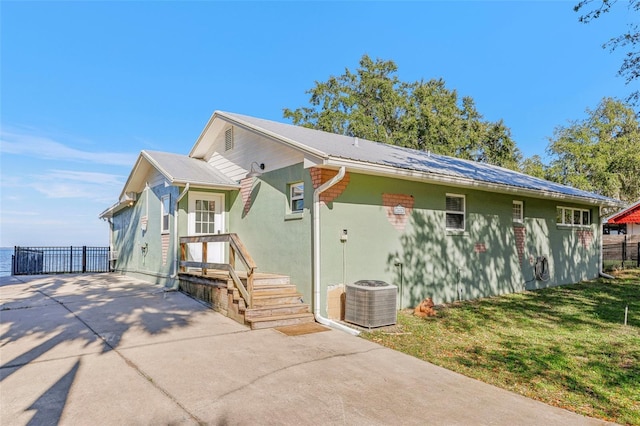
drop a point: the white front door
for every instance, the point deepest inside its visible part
(206, 216)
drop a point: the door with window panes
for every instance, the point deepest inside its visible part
(206, 216)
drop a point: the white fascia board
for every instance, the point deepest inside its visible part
(458, 182)
(204, 131)
(113, 209)
(205, 185)
(312, 161)
(136, 166)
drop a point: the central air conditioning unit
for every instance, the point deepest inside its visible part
(371, 303)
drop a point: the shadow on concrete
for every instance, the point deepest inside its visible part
(50, 405)
(86, 309)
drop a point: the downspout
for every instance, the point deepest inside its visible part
(316, 255)
(175, 232)
(600, 255)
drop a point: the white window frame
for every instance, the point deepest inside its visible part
(462, 212)
(293, 198)
(567, 216)
(165, 213)
(517, 218)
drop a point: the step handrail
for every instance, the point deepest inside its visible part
(236, 247)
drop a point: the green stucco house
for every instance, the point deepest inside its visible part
(327, 210)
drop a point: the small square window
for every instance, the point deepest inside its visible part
(518, 211)
(455, 212)
(296, 197)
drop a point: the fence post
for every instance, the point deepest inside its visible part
(84, 259)
(638, 256)
(624, 251)
(71, 260)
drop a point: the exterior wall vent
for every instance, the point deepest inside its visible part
(228, 139)
(371, 303)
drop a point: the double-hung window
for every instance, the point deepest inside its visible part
(296, 197)
(518, 211)
(455, 212)
(165, 207)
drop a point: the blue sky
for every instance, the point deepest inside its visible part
(85, 86)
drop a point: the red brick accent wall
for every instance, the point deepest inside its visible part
(246, 185)
(585, 237)
(320, 176)
(521, 235)
(480, 247)
(390, 201)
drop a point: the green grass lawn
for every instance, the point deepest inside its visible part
(566, 346)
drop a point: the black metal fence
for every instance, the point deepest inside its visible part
(624, 253)
(59, 260)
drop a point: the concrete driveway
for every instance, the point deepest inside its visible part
(107, 349)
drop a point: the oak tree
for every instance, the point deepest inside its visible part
(600, 153)
(629, 40)
(373, 103)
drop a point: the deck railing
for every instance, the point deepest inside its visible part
(236, 250)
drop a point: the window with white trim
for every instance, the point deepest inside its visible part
(165, 207)
(518, 211)
(455, 212)
(569, 216)
(296, 197)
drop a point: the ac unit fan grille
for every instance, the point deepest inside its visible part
(371, 303)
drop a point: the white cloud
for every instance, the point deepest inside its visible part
(91, 186)
(44, 147)
(88, 177)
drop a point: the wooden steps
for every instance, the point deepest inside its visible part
(276, 303)
(281, 320)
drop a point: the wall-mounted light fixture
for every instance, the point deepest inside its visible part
(253, 172)
(129, 198)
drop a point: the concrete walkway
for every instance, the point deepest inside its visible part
(111, 350)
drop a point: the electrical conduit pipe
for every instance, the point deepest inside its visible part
(175, 235)
(316, 255)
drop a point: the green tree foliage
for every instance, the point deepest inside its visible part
(600, 153)
(372, 103)
(630, 40)
(533, 166)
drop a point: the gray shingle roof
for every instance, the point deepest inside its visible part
(345, 147)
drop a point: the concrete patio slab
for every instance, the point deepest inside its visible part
(115, 350)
